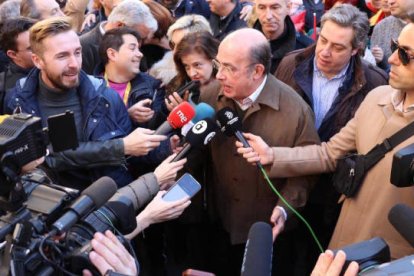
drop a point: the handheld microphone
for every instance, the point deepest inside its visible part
(257, 260)
(178, 117)
(202, 111)
(402, 218)
(199, 135)
(93, 197)
(230, 124)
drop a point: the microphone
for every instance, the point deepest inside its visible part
(178, 117)
(230, 124)
(93, 197)
(257, 260)
(202, 111)
(199, 135)
(402, 218)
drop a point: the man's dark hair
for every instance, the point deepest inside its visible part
(10, 30)
(114, 39)
(261, 54)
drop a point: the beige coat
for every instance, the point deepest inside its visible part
(364, 216)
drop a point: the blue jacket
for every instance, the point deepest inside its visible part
(105, 119)
(143, 86)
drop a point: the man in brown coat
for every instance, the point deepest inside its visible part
(384, 111)
(266, 106)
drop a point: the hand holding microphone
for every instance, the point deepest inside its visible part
(230, 124)
(258, 150)
(141, 141)
(198, 136)
(166, 172)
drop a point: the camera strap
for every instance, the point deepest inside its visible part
(379, 151)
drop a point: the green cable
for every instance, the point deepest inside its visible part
(291, 208)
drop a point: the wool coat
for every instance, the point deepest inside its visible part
(366, 215)
(240, 193)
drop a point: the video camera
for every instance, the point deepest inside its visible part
(32, 205)
(35, 207)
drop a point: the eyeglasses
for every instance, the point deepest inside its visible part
(226, 68)
(404, 57)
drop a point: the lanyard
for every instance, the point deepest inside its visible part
(126, 92)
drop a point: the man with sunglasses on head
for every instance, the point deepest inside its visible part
(333, 79)
(385, 110)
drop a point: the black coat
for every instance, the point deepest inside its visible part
(232, 22)
(289, 41)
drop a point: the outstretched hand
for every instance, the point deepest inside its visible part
(258, 151)
(166, 172)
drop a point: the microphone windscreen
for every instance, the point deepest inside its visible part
(203, 111)
(402, 218)
(258, 252)
(180, 115)
(228, 121)
(201, 133)
(101, 190)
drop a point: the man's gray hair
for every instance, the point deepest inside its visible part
(346, 15)
(192, 23)
(10, 9)
(133, 12)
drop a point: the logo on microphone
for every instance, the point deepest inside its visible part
(229, 115)
(209, 137)
(182, 116)
(200, 127)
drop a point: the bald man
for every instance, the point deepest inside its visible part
(240, 195)
(274, 22)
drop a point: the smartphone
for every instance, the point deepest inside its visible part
(62, 131)
(187, 86)
(186, 186)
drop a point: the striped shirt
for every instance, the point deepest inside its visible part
(324, 92)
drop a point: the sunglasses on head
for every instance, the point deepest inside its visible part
(404, 57)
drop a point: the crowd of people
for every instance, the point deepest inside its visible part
(311, 81)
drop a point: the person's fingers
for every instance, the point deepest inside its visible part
(177, 97)
(337, 264)
(146, 102)
(86, 272)
(352, 269)
(249, 136)
(125, 257)
(142, 130)
(169, 158)
(323, 263)
(112, 252)
(179, 163)
(99, 262)
(157, 138)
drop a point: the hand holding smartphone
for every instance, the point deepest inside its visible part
(186, 186)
